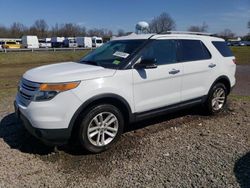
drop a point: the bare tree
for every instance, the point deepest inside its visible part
(202, 28)
(95, 32)
(83, 31)
(39, 28)
(55, 30)
(70, 30)
(107, 33)
(4, 32)
(161, 23)
(227, 34)
(17, 30)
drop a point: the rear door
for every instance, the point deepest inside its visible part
(158, 87)
(197, 68)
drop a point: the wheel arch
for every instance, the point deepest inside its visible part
(108, 98)
(225, 80)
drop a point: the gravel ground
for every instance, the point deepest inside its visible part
(185, 149)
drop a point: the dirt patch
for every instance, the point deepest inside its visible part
(242, 86)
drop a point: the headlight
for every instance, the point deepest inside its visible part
(49, 91)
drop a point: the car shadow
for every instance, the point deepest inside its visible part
(195, 111)
(15, 135)
(169, 116)
(242, 171)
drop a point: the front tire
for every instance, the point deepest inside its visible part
(101, 127)
(217, 99)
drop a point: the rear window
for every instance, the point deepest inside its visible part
(193, 50)
(223, 48)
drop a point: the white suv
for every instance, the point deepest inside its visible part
(125, 80)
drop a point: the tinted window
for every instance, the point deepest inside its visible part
(223, 48)
(164, 51)
(193, 50)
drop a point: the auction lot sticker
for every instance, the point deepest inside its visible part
(121, 54)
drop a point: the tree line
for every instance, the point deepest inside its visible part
(161, 23)
(41, 29)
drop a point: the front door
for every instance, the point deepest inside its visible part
(158, 87)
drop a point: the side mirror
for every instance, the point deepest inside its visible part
(146, 64)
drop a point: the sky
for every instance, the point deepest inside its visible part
(124, 14)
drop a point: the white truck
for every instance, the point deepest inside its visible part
(85, 42)
(97, 42)
(70, 42)
(45, 43)
(57, 42)
(30, 41)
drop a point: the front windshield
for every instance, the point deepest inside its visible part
(112, 54)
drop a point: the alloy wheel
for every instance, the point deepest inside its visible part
(102, 129)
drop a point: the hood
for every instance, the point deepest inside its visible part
(66, 72)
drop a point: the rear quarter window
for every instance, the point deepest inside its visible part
(222, 47)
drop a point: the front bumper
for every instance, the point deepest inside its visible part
(47, 136)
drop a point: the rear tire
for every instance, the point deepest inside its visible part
(217, 99)
(101, 127)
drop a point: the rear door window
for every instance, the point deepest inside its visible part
(192, 50)
(222, 47)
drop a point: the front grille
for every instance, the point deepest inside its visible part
(27, 90)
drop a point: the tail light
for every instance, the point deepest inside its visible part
(234, 61)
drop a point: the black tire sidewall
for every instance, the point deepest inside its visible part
(209, 106)
(91, 113)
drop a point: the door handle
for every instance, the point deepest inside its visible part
(174, 71)
(212, 65)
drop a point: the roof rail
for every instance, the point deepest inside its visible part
(186, 32)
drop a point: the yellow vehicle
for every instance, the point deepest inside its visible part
(11, 45)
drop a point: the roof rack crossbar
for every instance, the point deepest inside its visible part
(186, 32)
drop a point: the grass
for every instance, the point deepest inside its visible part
(242, 54)
(13, 65)
(240, 97)
(23, 58)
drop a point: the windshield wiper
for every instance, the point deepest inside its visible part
(90, 62)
